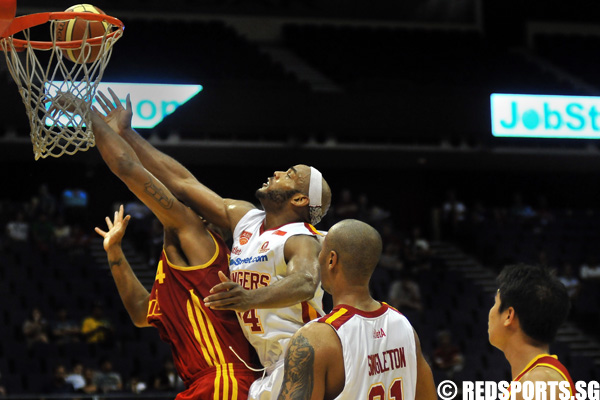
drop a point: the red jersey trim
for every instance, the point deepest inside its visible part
(549, 361)
(343, 312)
(306, 225)
(312, 229)
(196, 267)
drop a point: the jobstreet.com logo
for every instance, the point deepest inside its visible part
(519, 115)
(503, 390)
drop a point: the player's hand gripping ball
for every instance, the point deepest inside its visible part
(81, 29)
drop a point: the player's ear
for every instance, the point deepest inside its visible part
(300, 200)
(510, 317)
(333, 259)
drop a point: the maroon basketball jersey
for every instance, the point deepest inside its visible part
(199, 337)
(550, 361)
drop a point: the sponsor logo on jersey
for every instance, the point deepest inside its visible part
(245, 237)
(280, 233)
(378, 333)
(248, 260)
(236, 250)
(264, 248)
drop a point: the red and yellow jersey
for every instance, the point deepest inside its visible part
(549, 361)
(199, 337)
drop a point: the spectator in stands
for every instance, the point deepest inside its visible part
(42, 233)
(590, 270)
(391, 260)
(545, 216)
(135, 385)
(80, 241)
(95, 328)
(58, 383)
(447, 356)
(35, 328)
(107, 379)
(543, 260)
(389, 234)
(17, 230)
(90, 383)
(454, 214)
(62, 233)
(568, 278)
(388, 270)
(417, 254)
(167, 379)
(64, 330)
(345, 207)
(75, 377)
(405, 295)
(46, 202)
(519, 211)
(364, 208)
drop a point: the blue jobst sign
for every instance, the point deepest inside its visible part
(150, 102)
(541, 116)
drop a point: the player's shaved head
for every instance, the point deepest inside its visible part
(358, 246)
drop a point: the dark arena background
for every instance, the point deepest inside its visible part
(390, 100)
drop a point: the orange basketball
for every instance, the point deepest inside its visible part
(78, 29)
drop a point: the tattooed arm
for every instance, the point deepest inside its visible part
(134, 295)
(187, 240)
(314, 365)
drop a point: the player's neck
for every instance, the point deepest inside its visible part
(520, 353)
(274, 219)
(358, 298)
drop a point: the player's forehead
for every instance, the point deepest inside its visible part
(300, 170)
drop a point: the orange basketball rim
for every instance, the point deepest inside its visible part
(28, 21)
(8, 9)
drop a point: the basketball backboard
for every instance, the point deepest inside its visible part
(8, 9)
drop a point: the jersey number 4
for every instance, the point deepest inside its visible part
(377, 392)
(252, 320)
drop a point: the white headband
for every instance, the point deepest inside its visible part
(315, 194)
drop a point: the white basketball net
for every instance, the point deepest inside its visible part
(58, 132)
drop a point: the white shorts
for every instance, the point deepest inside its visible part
(269, 386)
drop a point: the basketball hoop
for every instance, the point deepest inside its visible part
(41, 73)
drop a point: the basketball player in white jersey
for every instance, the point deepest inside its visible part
(363, 349)
(275, 286)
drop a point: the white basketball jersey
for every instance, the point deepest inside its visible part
(257, 260)
(380, 356)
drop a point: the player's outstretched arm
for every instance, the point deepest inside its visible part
(314, 364)
(224, 213)
(300, 283)
(134, 295)
(182, 226)
(425, 384)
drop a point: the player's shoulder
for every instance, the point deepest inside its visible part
(238, 209)
(321, 336)
(542, 373)
(298, 244)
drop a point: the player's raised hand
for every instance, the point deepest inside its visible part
(116, 229)
(115, 115)
(228, 295)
